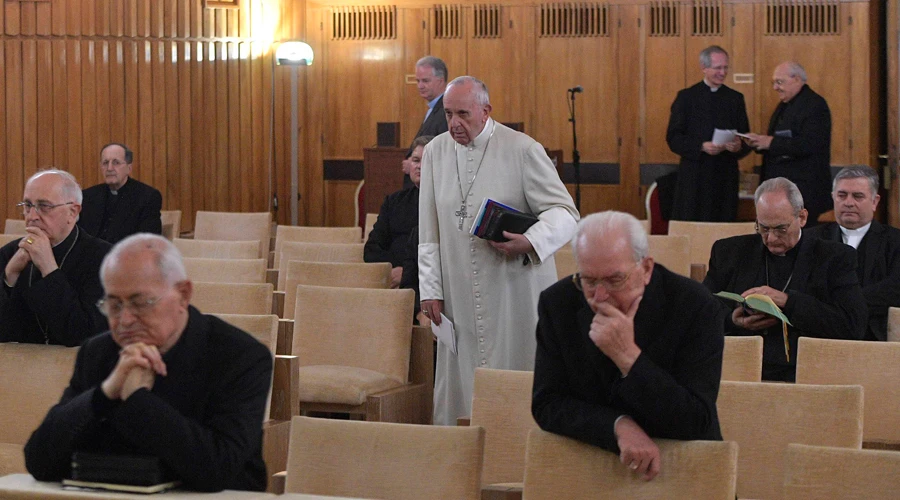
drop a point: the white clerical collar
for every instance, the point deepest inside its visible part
(482, 138)
(711, 88)
(853, 237)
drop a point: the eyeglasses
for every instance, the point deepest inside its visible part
(778, 231)
(42, 208)
(112, 308)
(611, 284)
(114, 163)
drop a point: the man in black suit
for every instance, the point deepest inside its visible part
(855, 195)
(798, 142)
(431, 81)
(626, 350)
(707, 184)
(122, 206)
(166, 381)
(813, 281)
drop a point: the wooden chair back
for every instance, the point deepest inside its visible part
(565, 261)
(315, 252)
(34, 377)
(233, 298)
(560, 467)
(501, 404)
(384, 460)
(226, 271)
(235, 226)
(673, 252)
(893, 326)
(171, 223)
(370, 223)
(369, 329)
(309, 234)
(829, 473)
(763, 418)
(704, 234)
(742, 358)
(213, 249)
(334, 274)
(7, 238)
(873, 365)
(14, 226)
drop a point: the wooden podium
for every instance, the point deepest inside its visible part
(383, 175)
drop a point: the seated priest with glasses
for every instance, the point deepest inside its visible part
(51, 276)
(166, 381)
(626, 350)
(814, 282)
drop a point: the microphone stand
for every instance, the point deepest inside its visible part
(576, 156)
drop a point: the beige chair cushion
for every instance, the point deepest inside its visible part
(565, 262)
(338, 274)
(12, 459)
(235, 226)
(873, 365)
(673, 252)
(6, 238)
(828, 473)
(233, 298)
(704, 234)
(172, 218)
(308, 234)
(558, 467)
(354, 327)
(33, 379)
(226, 270)
(742, 358)
(501, 403)
(217, 249)
(384, 460)
(763, 418)
(315, 252)
(341, 384)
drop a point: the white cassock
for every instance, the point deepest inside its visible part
(491, 299)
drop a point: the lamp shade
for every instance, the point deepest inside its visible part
(294, 54)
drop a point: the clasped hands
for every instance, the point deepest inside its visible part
(137, 368)
(758, 321)
(34, 247)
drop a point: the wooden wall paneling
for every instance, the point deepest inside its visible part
(630, 47)
(103, 16)
(88, 13)
(235, 170)
(184, 201)
(12, 17)
(60, 103)
(207, 22)
(453, 51)
(252, 175)
(219, 169)
(105, 122)
(506, 64)
(742, 54)
(562, 63)
(7, 210)
(75, 110)
(170, 18)
(157, 10)
(174, 149)
(43, 135)
(892, 37)
(144, 146)
(597, 197)
(159, 90)
(244, 20)
(117, 85)
(668, 67)
(315, 118)
(28, 16)
(259, 143)
(864, 94)
(232, 22)
(183, 19)
(3, 17)
(208, 130)
(117, 18)
(29, 105)
(44, 20)
(195, 26)
(57, 17)
(15, 170)
(131, 120)
(221, 20)
(129, 19)
(281, 154)
(199, 131)
(412, 29)
(142, 18)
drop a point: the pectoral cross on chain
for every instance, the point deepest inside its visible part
(462, 214)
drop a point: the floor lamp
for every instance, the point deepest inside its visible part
(294, 54)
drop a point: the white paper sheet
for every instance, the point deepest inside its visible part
(445, 333)
(722, 137)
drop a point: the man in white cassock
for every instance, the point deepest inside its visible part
(488, 290)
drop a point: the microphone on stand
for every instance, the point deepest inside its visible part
(576, 156)
(576, 89)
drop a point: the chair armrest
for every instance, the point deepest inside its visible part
(285, 388)
(272, 277)
(276, 439)
(463, 421)
(285, 342)
(501, 492)
(278, 304)
(271, 262)
(276, 482)
(698, 272)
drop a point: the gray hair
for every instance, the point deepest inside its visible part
(168, 259)
(794, 69)
(781, 185)
(858, 172)
(706, 55)
(438, 67)
(422, 140)
(601, 224)
(482, 97)
(129, 155)
(70, 188)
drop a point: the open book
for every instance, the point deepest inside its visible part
(759, 303)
